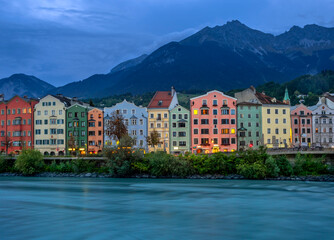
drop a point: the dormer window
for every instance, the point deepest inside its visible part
(273, 100)
(160, 103)
(204, 102)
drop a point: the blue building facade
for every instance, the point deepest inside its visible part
(135, 119)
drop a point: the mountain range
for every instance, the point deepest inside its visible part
(222, 57)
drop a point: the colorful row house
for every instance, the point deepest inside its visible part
(135, 119)
(301, 126)
(179, 119)
(213, 123)
(158, 117)
(17, 129)
(95, 130)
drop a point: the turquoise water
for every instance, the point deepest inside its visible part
(74, 208)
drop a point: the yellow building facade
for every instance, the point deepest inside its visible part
(158, 117)
(276, 125)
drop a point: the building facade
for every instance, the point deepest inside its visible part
(275, 117)
(49, 125)
(322, 119)
(95, 131)
(249, 125)
(158, 117)
(179, 119)
(76, 129)
(301, 126)
(213, 123)
(17, 128)
(135, 119)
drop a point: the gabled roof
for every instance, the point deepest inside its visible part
(213, 92)
(161, 99)
(264, 99)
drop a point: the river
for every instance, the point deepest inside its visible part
(85, 208)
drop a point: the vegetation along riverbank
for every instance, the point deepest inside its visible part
(127, 162)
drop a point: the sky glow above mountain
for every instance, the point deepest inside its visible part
(61, 41)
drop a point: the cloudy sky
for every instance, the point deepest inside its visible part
(61, 41)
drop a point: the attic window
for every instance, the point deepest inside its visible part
(273, 100)
(160, 103)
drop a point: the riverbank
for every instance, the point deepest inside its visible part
(321, 178)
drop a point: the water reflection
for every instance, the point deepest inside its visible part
(60, 208)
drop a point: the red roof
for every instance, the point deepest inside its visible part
(161, 99)
(264, 99)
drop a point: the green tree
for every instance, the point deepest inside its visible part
(153, 139)
(29, 162)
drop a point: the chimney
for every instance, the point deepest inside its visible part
(253, 88)
(75, 99)
(2, 97)
(173, 91)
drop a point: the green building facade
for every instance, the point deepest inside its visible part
(249, 124)
(179, 119)
(76, 129)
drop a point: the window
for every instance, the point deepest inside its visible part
(195, 140)
(284, 120)
(284, 131)
(276, 131)
(83, 133)
(83, 124)
(215, 131)
(268, 111)
(185, 116)
(83, 114)
(249, 115)
(133, 111)
(174, 134)
(165, 115)
(53, 131)
(205, 112)
(174, 143)
(215, 111)
(225, 131)
(249, 124)
(45, 121)
(225, 121)
(257, 115)
(232, 111)
(38, 113)
(215, 102)
(268, 131)
(233, 121)
(60, 131)
(53, 121)
(141, 121)
(45, 131)
(215, 121)
(53, 112)
(70, 114)
(225, 141)
(276, 111)
(195, 131)
(225, 111)
(60, 112)
(195, 111)
(276, 120)
(180, 116)
(284, 111)
(195, 121)
(174, 116)
(224, 102)
(204, 131)
(46, 112)
(37, 131)
(241, 115)
(134, 121)
(204, 102)
(151, 115)
(181, 125)
(134, 132)
(204, 121)
(268, 120)
(182, 134)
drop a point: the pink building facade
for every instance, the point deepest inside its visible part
(301, 126)
(213, 123)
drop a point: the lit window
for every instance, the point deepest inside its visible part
(232, 130)
(195, 112)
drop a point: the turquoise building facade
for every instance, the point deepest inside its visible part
(179, 119)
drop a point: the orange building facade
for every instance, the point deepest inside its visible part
(95, 131)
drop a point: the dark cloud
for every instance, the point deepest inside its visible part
(62, 41)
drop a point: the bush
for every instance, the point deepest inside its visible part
(272, 168)
(285, 168)
(81, 165)
(256, 170)
(29, 162)
(6, 165)
(307, 165)
(163, 164)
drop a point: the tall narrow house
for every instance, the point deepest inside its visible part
(17, 128)
(179, 133)
(95, 131)
(158, 117)
(213, 123)
(135, 120)
(50, 124)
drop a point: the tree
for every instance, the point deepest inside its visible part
(115, 126)
(91, 103)
(153, 139)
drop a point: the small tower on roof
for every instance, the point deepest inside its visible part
(286, 98)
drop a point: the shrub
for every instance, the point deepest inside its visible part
(307, 165)
(272, 168)
(6, 165)
(163, 164)
(256, 170)
(29, 162)
(83, 165)
(285, 168)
